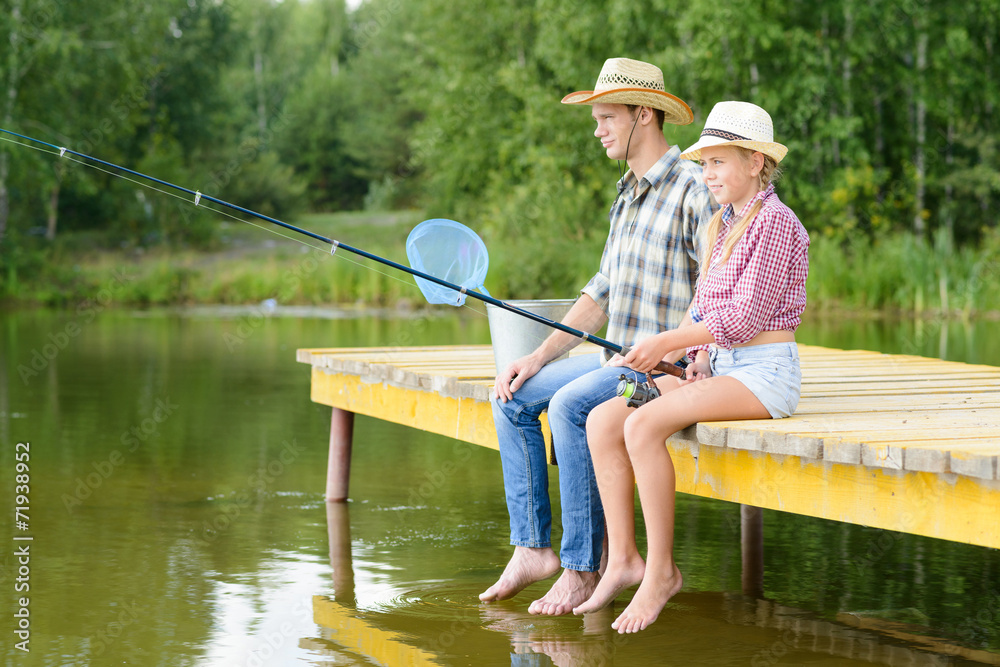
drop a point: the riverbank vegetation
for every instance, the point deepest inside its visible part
(896, 274)
(310, 110)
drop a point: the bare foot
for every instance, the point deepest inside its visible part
(617, 578)
(570, 589)
(526, 566)
(649, 600)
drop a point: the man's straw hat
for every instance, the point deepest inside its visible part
(738, 124)
(624, 81)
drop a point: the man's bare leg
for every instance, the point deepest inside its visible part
(527, 565)
(571, 589)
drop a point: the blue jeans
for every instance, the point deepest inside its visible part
(570, 389)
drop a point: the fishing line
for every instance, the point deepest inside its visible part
(335, 245)
(621, 174)
(187, 201)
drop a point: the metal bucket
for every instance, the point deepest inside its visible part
(515, 335)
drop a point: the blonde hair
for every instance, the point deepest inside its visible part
(769, 173)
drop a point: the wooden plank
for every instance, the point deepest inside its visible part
(884, 449)
(976, 460)
(847, 439)
(891, 364)
(812, 405)
(839, 424)
(935, 455)
(893, 389)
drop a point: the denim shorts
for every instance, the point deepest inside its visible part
(770, 371)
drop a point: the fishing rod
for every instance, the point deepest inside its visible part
(670, 369)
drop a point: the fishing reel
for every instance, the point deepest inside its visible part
(637, 392)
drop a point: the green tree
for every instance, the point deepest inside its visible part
(316, 121)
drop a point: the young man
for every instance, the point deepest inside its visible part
(644, 285)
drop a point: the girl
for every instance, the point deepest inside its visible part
(740, 334)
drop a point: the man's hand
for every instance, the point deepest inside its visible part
(512, 377)
(617, 360)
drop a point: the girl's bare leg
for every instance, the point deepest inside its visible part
(616, 482)
(645, 430)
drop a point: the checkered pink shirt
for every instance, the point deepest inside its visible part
(762, 287)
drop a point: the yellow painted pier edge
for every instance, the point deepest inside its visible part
(938, 504)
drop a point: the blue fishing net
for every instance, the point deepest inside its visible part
(450, 251)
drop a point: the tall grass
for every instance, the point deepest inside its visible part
(250, 267)
(903, 273)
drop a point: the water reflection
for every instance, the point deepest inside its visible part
(338, 522)
(545, 641)
(203, 538)
(748, 628)
(774, 633)
(342, 629)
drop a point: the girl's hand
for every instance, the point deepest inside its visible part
(700, 369)
(648, 353)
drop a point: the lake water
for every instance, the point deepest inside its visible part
(177, 470)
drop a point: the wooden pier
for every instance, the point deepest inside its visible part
(898, 442)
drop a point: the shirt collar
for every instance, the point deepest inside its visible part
(656, 174)
(727, 213)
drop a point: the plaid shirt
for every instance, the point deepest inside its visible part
(762, 286)
(650, 263)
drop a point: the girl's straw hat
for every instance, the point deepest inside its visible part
(738, 124)
(624, 81)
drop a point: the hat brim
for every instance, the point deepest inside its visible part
(772, 149)
(675, 110)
